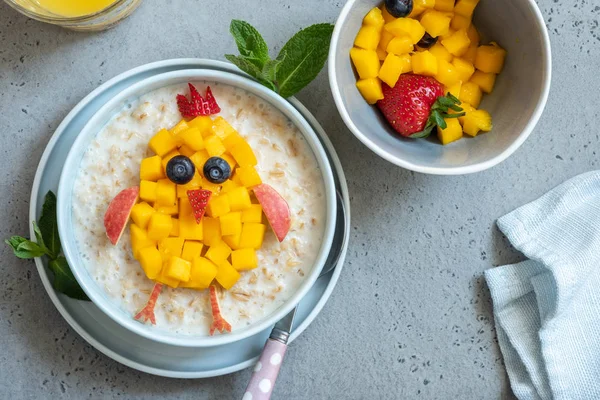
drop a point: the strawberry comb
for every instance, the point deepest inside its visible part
(197, 105)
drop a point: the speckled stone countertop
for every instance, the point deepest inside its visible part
(411, 316)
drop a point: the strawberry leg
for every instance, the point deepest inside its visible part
(219, 323)
(147, 312)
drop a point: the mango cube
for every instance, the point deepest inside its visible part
(199, 158)
(424, 63)
(151, 261)
(175, 229)
(171, 246)
(366, 62)
(473, 35)
(457, 43)
(195, 183)
(239, 199)
(391, 69)
(243, 154)
(229, 186)
(252, 235)
(208, 185)
(470, 54)
(222, 128)
(212, 230)
(416, 11)
(166, 193)
(244, 259)
(178, 268)
(368, 37)
(162, 143)
(159, 226)
(406, 63)
(217, 206)
(151, 169)
(424, 3)
(490, 58)
(370, 89)
(436, 23)
(166, 280)
(387, 17)
(465, 7)
(231, 140)
(386, 38)
(252, 213)
(485, 81)
(399, 45)
(452, 132)
(444, 5)
(231, 223)
(248, 176)
(447, 73)
(202, 273)
(186, 151)
(167, 157)
(464, 68)
(233, 241)
(214, 146)
(229, 160)
(227, 276)
(477, 120)
(191, 249)
(203, 123)
(141, 213)
(467, 108)
(139, 240)
(374, 18)
(470, 93)
(406, 26)
(192, 138)
(218, 252)
(454, 89)
(188, 227)
(440, 52)
(460, 22)
(148, 191)
(169, 210)
(179, 127)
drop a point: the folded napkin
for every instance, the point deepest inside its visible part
(547, 309)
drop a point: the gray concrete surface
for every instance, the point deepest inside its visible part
(411, 316)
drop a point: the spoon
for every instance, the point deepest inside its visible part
(267, 368)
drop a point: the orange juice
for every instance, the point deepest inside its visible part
(74, 8)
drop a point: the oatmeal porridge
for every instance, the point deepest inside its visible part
(284, 161)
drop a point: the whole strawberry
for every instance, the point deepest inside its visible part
(416, 104)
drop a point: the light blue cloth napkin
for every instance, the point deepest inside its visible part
(547, 309)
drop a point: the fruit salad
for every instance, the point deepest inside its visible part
(197, 216)
(422, 64)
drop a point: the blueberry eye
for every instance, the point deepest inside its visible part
(216, 170)
(180, 170)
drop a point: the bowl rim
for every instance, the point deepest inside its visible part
(95, 125)
(462, 170)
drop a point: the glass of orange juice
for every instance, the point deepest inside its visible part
(83, 15)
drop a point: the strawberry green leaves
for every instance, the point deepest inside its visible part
(298, 63)
(440, 110)
(48, 244)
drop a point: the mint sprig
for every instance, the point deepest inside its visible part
(48, 244)
(298, 63)
(440, 110)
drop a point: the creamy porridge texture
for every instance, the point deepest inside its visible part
(285, 161)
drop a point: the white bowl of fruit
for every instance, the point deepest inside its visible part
(441, 86)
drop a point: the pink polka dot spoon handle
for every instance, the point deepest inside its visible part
(266, 371)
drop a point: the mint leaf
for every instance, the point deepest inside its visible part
(269, 71)
(49, 227)
(250, 43)
(64, 281)
(248, 67)
(25, 248)
(306, 53)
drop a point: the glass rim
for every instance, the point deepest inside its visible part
(60, 19)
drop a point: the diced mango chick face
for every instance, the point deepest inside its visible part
(172, 247)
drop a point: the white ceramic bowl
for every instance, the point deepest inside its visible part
(71, 168)
(516, 104)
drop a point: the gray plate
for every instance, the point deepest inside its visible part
(131, 349)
